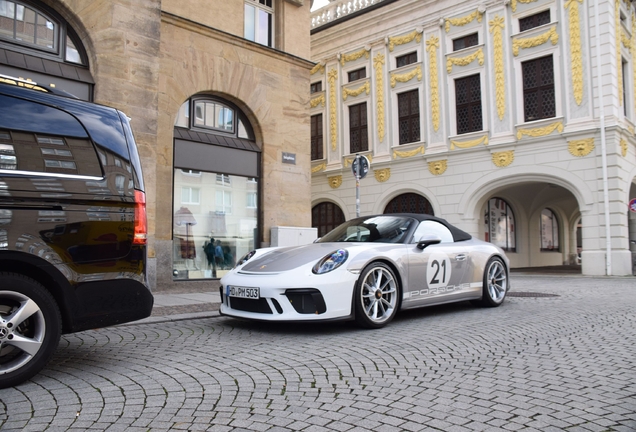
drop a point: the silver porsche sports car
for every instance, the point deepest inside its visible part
(367, 269)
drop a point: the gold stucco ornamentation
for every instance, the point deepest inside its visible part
(468, 144)
(497, 25)
(319, 168)
(539, 132)
(503, 159)
(318, 68)
(378, 63)
(335, 181)
(513, 3)
(332, 76)
(408, 153)
(631, 129)
(365, 87)
(551, 35)
(382, 175)
(576, 57)
(406, 77)
(463, 61)
(463, 20)
(582, 147)
(401, 40)
(349, 161)
(431, 47)
(354, 56)
(317, 101)
(623, 144)
(438, 167)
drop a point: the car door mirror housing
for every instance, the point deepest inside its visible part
(428, 240)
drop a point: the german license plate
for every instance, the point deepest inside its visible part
(244, 292)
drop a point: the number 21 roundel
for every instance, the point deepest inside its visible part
(438, 270)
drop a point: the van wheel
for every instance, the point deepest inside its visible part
(30, 328)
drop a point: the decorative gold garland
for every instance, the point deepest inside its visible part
(497, 25)
(503, 159)
(332, 76)
(318, 67)
(463, 61)
(513, 3)
(532, 42)
(335, 181)
(364, 87)
(462, 21)
(431, 47)
(382, 175)
(378, 63)
(318, 168)
(438, 167)
(408, 153)
(406, 77)
(539, 132)
(317, 101)
(575, 49)
(353, 56)
(468, 144)
(623, 144)
(400, 40)
(619, 57)
(581, 147)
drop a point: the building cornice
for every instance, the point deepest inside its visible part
(202, 29)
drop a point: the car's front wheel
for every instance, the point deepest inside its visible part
(30, 328)
(495, 283)
(376, 296)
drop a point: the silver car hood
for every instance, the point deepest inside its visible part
(288, 258)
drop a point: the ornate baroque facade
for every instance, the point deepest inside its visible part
(490, 111)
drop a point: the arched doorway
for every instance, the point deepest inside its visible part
(37, 44)
(216, 188)
(409, 203)
(325, 217)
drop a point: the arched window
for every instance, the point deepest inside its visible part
(409, 203)
(35, 40)
(216, 188)
(549, 231)
(500, 224)
(326, 216)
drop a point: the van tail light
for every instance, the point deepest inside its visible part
(141, 223)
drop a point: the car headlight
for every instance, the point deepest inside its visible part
(331, 262)
(245, 258)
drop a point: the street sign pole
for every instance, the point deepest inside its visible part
(357, 174)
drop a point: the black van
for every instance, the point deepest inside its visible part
(72, 224)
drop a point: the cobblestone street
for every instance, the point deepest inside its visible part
(538, 363)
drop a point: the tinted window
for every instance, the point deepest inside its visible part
(33, 117)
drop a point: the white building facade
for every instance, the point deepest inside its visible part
(513, 120)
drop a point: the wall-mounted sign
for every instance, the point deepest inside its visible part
(289, 158)
(632, 205)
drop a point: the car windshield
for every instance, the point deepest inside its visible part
(377, 229)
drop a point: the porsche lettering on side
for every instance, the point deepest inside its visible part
(366, 270)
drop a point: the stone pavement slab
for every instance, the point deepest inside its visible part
(565, 362)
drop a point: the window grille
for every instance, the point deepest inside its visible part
(468, 104)
(409, 116)
(538, 89)
(358, 136)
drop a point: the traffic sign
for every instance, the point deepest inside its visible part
(360, 166)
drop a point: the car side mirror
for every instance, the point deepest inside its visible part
(427, 241)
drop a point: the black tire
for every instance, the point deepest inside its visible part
(495, 283)
(30, 328)
(376, 296)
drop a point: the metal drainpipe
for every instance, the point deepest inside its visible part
(599, 79)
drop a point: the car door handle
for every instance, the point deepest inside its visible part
(460, 257)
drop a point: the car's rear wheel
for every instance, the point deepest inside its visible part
(376, 296)
(30, 328)
(495, 283)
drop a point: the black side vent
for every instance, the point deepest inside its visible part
(307, 300)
